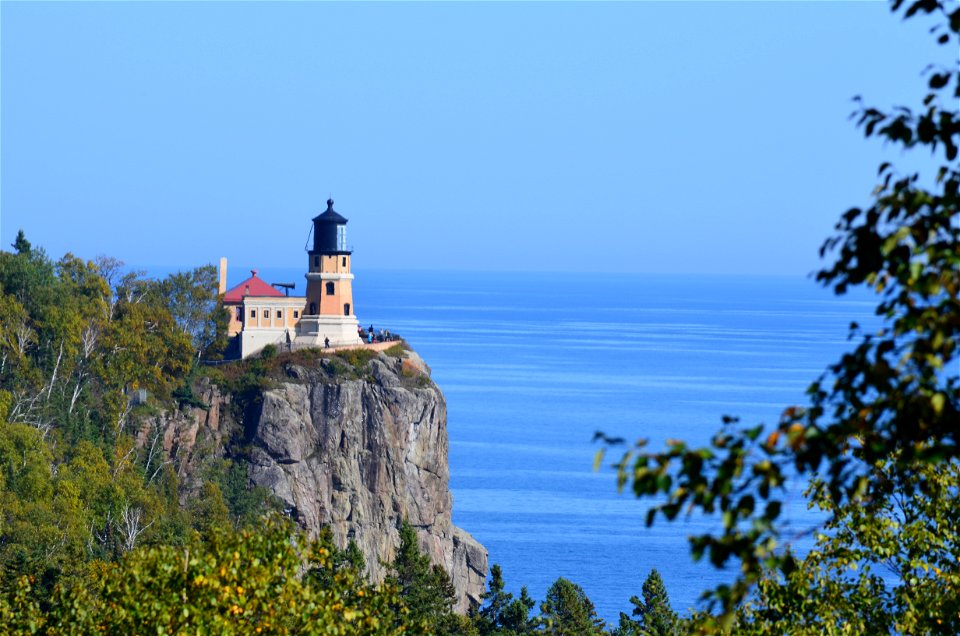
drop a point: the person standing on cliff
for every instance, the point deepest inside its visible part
(326, 342)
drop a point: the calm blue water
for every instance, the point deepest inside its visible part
(533, 364)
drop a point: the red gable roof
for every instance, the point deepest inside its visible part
(253, 286)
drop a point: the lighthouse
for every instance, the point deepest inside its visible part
(329, 311)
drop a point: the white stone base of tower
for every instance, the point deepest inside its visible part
(314, 330)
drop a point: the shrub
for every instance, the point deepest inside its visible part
(229, 583)
(395, 351)
(357, 358)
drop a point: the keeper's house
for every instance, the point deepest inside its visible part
(260, 314)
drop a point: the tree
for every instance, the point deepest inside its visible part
(208, 512)
(21, 244)
(894, 397)
(495, 601)
(345, 559)
(501, 614)
(879, 565)
(655, 616)
(427, 593)
(228, 583)
(76, 487)
(567, 611)
(191, 298)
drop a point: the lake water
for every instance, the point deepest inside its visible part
(533, 364)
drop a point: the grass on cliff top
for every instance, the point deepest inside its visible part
(270, 364)
(396, 351)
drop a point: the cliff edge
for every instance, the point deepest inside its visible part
(354, 446)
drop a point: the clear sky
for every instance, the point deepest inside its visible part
(649, 137)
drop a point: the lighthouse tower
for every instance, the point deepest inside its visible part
(329, 312)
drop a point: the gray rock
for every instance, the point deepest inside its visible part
(356, 454)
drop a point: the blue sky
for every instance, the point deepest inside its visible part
(644, 137)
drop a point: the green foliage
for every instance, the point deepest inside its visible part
(245, 503)
(395, 351)
(246, 381)
(654, 616)
(427, 593)
(227, 583)
(21, 244)
(501, 614)
(566, 611)
(894, 398)
(191, 298)
(185, 395)
(337, 368)
(77, 338)
(880, 565)
(349, 559)
(357, 358)
(56, 521)
(219, 334)
(207, 511)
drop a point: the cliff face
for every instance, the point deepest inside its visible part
(357, 452)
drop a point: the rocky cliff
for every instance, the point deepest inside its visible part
(356, 447)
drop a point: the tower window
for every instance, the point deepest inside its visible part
(313, 309)
(346, 309)
(279, 313)
(329, 289)
(296, 314)
(316, 261)
(239, 314)
(344, 261)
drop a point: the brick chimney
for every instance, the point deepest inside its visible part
(222, 289)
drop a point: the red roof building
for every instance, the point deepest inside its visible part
(253, 286)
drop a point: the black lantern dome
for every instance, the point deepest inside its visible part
(330, 232)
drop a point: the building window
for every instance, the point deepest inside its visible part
(344, 261)
(279, 313)
(253, 313)
(239, 314)
(296, 314)
(316, 261)
(346, 309)
(313, 309)
(329, 289)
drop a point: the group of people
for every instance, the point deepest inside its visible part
(366, 335)
(371, 335)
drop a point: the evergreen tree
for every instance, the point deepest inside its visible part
(567, 611)
(654, 615)
(426, 590)
(516, 616)
(502, 614)
(338, 560)
(495, 600)
(21, 244)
